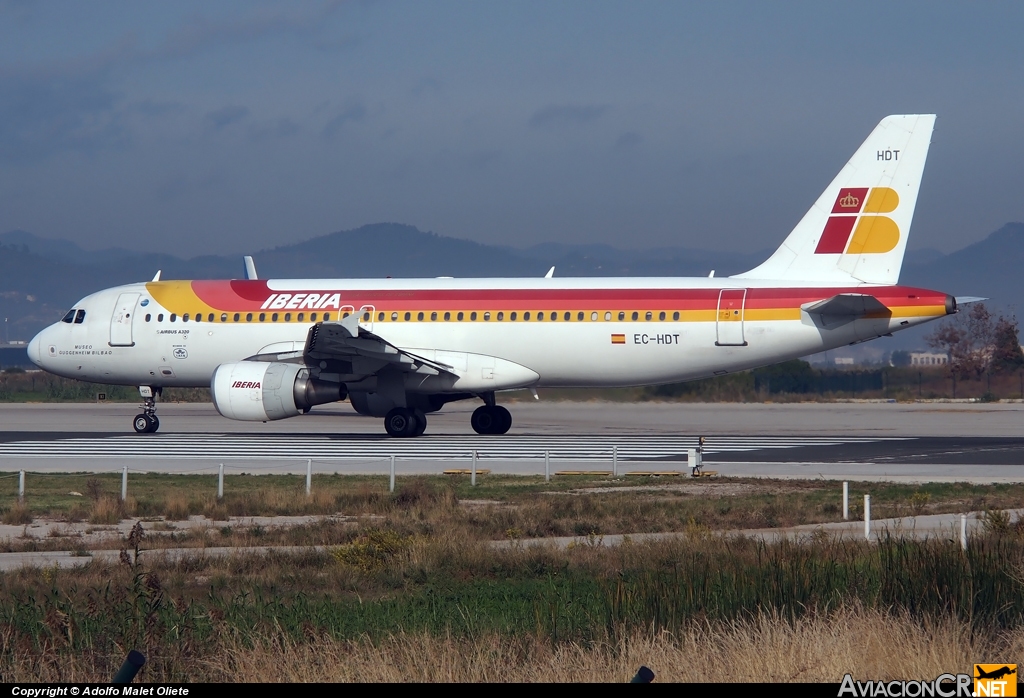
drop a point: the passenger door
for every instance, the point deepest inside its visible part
(122, 319)
(730, 317)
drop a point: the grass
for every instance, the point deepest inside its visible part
(423, 607)
(499, 507)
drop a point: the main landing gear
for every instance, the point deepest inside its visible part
(147, 422)
(402, 422)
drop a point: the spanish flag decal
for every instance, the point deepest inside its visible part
(618, 339)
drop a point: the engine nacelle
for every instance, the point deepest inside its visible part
(260, 391)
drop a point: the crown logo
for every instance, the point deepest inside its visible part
(849, 201)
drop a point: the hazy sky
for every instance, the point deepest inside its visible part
(197, 127)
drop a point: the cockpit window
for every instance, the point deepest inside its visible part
(69, 317)
(80, 317)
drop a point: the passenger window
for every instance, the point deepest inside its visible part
(622, 315)
(501, 316)
(199, 317)
(675, 315)
(327, 317)
(661, 315)
(184, 318)
(512, 316)
(70, 317)
(607, 315)
(248, 317)
(579, 316)
(148, 317)
(394, 316)
(472, 316)
(408, 317)
(380, 317)
(459, 316)
(540, 315)
(312, 317)
(80, 317)
(160, 317)
(223, 317)
(487, 316)
(568, 316)
(447, 316)
(526, 315)
(287, 317)
(636, 315)
(263, 317)
(433, 316)
(345, 315)
(419, 316)
(366, 317)
(554, 316)
(593, 316)
(210, 317)
(649, 315)
(302, 317)
(237, 317)
(273, 318)
(174, 317)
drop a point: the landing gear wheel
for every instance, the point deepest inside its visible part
(489, 419)
(504, 420)
(400, 423)
(141, 423)
(154, 423)
(421, 423)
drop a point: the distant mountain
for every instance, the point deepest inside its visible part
(40, 278)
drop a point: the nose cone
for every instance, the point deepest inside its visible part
(34, 350)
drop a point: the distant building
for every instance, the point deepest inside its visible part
(844, 361)
(15, 355)
(921, 358)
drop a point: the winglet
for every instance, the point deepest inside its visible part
(550, 274)
(156, 277)
(250, 268)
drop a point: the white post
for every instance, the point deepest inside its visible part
(21, 486)
(615, 461)
(220, 482)
(867, 517)
(691, 460)
(309, 476)
(963, 531)
(391, 483)
(547, 466)
(124, 484)
(472, 473)
(846, 501)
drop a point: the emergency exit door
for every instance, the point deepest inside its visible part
(122, 319)
(730, 317)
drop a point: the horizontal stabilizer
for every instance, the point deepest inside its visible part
(844, 308)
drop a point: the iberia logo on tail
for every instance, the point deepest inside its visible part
(855, 226)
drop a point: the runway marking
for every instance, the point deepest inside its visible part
(442, 447)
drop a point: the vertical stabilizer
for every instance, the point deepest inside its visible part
(857, 230)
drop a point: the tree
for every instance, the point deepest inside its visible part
(1006, 352)
(900, 358)
(969, 339)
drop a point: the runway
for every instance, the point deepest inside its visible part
(913, 442)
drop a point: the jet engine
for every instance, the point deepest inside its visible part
(260, 391)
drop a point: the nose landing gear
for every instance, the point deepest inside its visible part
(147, 422)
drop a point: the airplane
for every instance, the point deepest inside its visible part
(401, 349)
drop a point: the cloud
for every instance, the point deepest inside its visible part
(41, 114)
(629, 139)
(282, 128)
(567, 115)
(355, 112)
(226, 116)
